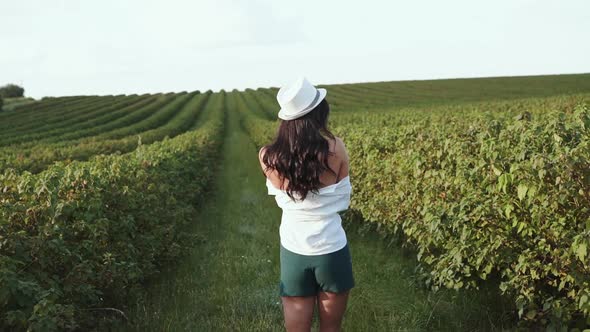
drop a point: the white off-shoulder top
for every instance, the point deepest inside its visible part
(313, 226)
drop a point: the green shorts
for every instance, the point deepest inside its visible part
(306, 275)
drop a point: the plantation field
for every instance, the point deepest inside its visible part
(470, 211)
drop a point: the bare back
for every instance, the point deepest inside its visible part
(338, 162)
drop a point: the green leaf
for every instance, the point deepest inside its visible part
(520, 227)
(522, 189)
(583, 300)
(582, 251)
(508, 209)
(531, 314)
(496, 171)
(531, 192)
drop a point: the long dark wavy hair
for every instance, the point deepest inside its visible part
(299, 152)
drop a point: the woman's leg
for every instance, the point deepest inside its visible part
(298, 311)
(298, 291)
(331, 308)
(335, 278)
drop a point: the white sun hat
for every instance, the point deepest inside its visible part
(299, 98)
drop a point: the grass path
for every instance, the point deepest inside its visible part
(229, 282)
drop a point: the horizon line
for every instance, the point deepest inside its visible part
(319, 85)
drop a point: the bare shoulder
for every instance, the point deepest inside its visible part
(339, 142)
(340, 147)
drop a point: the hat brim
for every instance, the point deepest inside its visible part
(283, 116)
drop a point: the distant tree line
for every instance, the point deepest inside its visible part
(11, 91)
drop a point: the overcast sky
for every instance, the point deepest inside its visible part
(56, 47)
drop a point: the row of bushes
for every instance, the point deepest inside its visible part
(32, 128)
(487, 198)
(500, 190)
(167, 116)
(77, 239)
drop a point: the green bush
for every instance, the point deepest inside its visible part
(480, 198)
(11, 91)
(83, 236)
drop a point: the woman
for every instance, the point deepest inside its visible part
(306, 168)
